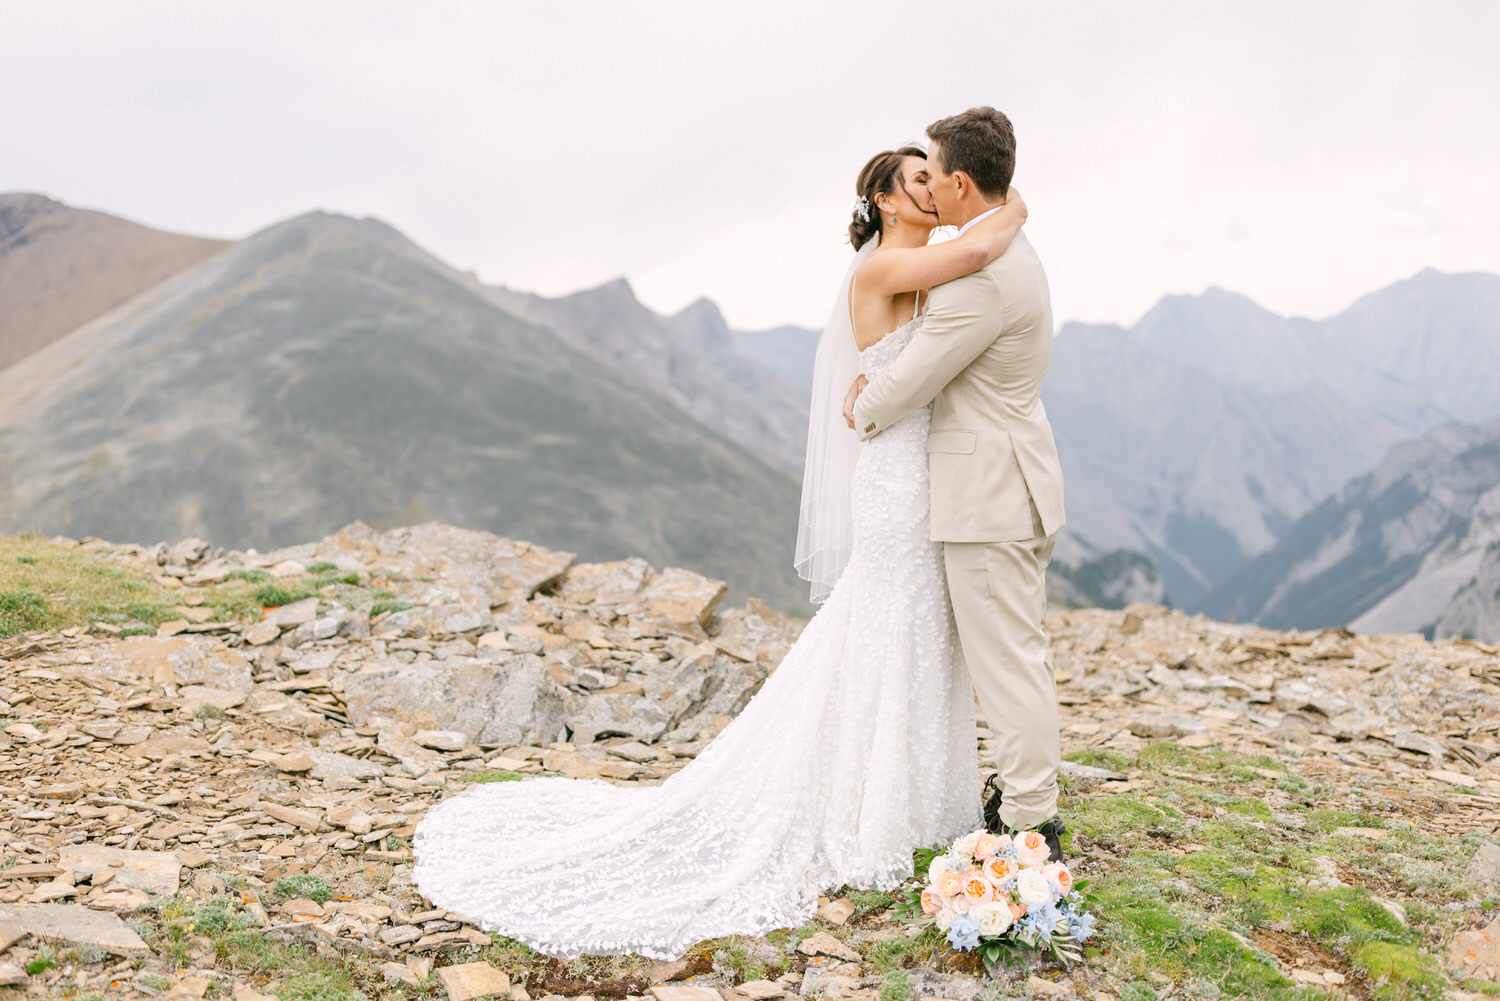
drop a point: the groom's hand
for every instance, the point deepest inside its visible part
(849, 400)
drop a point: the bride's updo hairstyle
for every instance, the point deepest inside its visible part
(879, 177)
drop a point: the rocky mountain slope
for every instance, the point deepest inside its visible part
(1411, 546)
(1200, 434)
(327, 369)
(225, 808)
(692, 359)
(61, 267)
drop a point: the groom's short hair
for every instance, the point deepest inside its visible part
(981, 143)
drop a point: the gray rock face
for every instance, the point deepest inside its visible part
(335, 337)
(1201, 434)
(513, 702)
(1412, 546)
(693, 359)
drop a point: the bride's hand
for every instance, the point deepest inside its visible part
(1000, 229)
(851, 398)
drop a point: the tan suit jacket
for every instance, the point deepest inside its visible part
(980, 357)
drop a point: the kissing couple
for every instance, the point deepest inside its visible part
(930, 503)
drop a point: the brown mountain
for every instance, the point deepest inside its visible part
(61, 267)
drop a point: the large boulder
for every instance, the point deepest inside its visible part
(513, 702)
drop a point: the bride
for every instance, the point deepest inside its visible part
(858, 749)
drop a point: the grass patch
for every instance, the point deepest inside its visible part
(323, 566)
(314, 888)
(494, 775)
(276, 595)
(381, 607)
(324, 982)
(896, 988)
(254, 575)
(44, 585)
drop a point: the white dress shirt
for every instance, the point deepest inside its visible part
(983, 215)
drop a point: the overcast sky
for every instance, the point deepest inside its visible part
(1303, 153)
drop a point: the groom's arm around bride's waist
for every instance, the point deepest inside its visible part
(964, 317)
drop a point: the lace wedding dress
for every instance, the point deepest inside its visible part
(858, 749)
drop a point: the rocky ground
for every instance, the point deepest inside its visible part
(208, 788)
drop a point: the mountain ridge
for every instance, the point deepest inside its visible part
(327, 368)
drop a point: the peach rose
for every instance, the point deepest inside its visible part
(1059, 876)
(931, 902)
(964, 846)
(1000, 871)
(1031, 849)
(977, 889)
(948, 884)
(987, 845)
(1017, 911)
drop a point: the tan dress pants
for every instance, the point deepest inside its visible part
(999, 592)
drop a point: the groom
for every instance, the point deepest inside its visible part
(997, 496)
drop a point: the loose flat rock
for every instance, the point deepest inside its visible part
(1037, 987)
(1091, 773)
(12, 975)
(331, 764)
(824, 944)
(761, 990)
(685, 992)
(467, 981)
(1159, 726)
(836, 912)
(158, 872)
(202, 695)
(75, 924)
(1484, 867)
(441, 740)
(244, 992)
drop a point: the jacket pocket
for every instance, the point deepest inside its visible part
(951, 441)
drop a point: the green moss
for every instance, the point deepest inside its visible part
(871, 900)
(1398, 971)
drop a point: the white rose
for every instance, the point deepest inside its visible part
(993, 918)
(943, 863)
(1033, 889)
(945, 917)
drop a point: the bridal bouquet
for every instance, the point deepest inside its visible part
(998, 895)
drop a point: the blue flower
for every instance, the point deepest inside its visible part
(963, 933)
(1083, 925)
(1043, 920)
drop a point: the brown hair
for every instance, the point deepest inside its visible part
(879, 177)
(981, 143)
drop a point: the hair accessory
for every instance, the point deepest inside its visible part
(862, 208)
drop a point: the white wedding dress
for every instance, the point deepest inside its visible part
(858, 749)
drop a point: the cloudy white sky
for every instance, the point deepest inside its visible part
(1302, 153)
